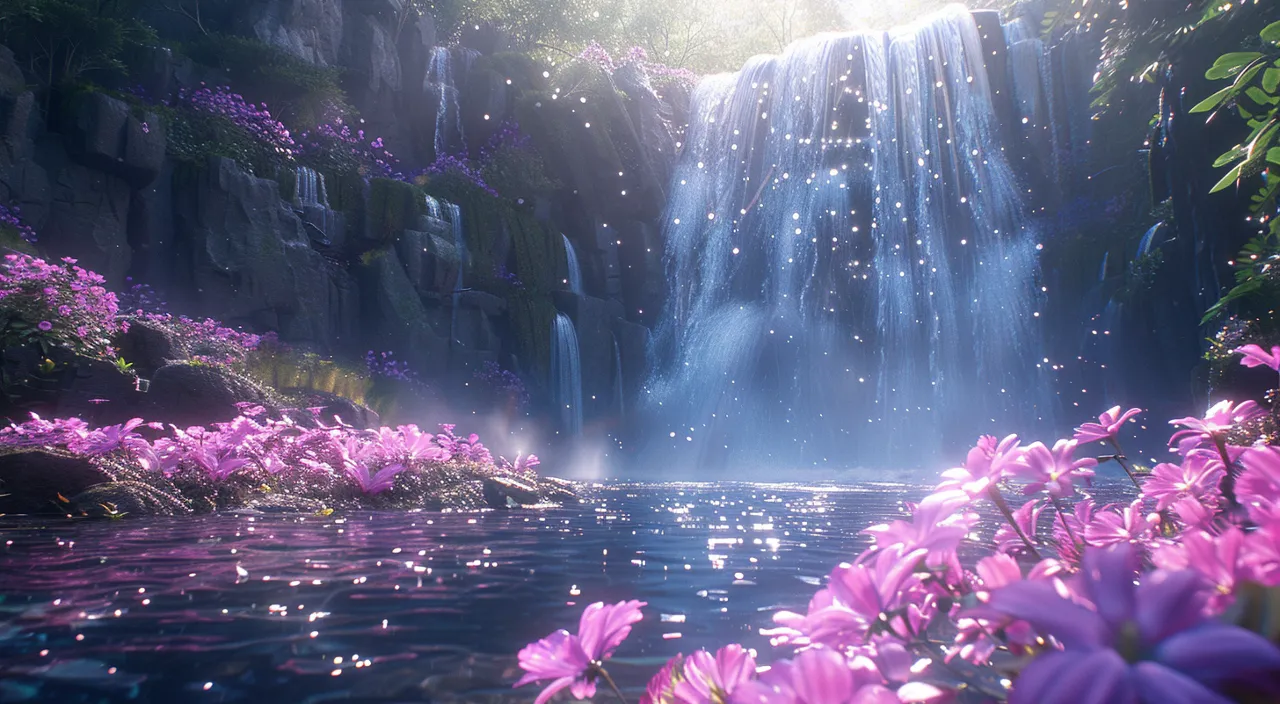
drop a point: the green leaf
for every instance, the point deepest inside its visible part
(1232, 176)
(1214, 100)
(1260, 96)
(1271, 80)
(1229, 156)
(1230, 64)
(1271, 33)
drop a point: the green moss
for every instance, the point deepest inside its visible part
(285, 370)
(394, 206)
(295, 90)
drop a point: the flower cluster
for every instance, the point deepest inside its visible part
(335, 146)
(504, 382)
(450, 165)
(11, 218)
(385, 365)
(660, 74)
(1150, 600)
(141, 299)
(61, 304)
(367, 461)
(206, 341)
(255, 120)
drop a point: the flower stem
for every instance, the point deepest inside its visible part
(1229, 481)
(994, 493)
(1124, 461)
(1062, 516)
(612, 685)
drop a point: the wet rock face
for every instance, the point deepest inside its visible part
(105, 135)
(312, 30)
(251, 261)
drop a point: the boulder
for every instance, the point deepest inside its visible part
(508, 492)
(30, 482)
(190, 394)
(149, 347)
(331, 405)
(129, 498)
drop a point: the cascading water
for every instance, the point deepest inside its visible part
(310, 190)
(575, 270)
(566, 373)
(433, 208)
(441, 74)
(851, 275)
(454, 217)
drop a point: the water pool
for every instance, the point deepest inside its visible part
(403, 607)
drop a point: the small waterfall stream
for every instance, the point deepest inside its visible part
(566, 373)
(575, 270)
(310, 189)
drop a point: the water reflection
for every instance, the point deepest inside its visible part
(405, 606)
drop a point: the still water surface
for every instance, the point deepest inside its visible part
(403, 607)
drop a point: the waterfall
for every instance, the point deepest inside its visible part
(433, 208)
(575, 270)
(454, 217)
(566, 373)
(617, 378)
(441, 74)
(852, 276)
(310, 190)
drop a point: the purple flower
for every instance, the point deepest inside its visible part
(661, 687)
(1054, 471)
(1197, 477)
(1109, 423)
(709, 678)
(1219, 419)
(1255, 356)
(1027, 517)
(1112, 524)
(935, 527)
(45, 326)
(1123, 644)
(574, 661)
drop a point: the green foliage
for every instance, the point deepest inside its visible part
(1255, 78)
(517, 171)
(60, 42)
(195, 135)
(1257, 280)
(297, 91)
(1141, 38)
(394, 206)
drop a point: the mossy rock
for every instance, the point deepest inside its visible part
(394, 206)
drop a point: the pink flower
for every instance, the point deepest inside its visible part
(1109, 423)
(1222, 417)
(1197, 477)
(573, 661)
(1054, 471)
(987, 463)
(1113, 525)
(710, 678)
(935, 526)
(1255, 356)
(45, 326)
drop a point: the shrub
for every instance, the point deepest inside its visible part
(12, 225)
(61, 305)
